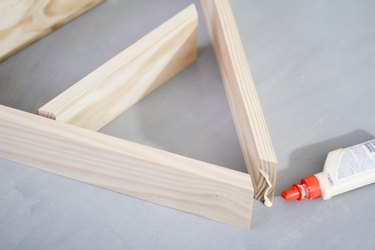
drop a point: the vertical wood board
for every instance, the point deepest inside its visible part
(246, 110)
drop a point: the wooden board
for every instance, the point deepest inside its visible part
(164, 178)
(25, 21)
(246, 110)
(122, 81)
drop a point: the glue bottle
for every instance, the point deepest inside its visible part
(344, 170)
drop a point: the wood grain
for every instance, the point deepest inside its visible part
(150, 174)
(134, 73)
(25, 21)
(246, 110)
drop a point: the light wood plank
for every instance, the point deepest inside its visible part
(25, 21)
(124, 80)
(246, 110)
(150, 174)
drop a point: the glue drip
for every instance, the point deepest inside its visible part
(267, 202)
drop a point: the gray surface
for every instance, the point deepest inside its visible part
(313, 65)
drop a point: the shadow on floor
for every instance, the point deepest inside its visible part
(188, 115)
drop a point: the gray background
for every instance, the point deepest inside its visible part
(313, 64)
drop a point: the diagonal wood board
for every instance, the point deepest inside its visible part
(25, 21)
(242, 97)
(128, 77)
(147, 173)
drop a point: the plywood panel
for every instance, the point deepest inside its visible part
(25, 21)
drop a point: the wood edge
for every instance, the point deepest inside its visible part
(125, 55)
(187, 15)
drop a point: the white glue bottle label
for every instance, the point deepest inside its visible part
(344, 170)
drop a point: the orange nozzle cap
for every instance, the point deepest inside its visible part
(292, 193)
(309, 188)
